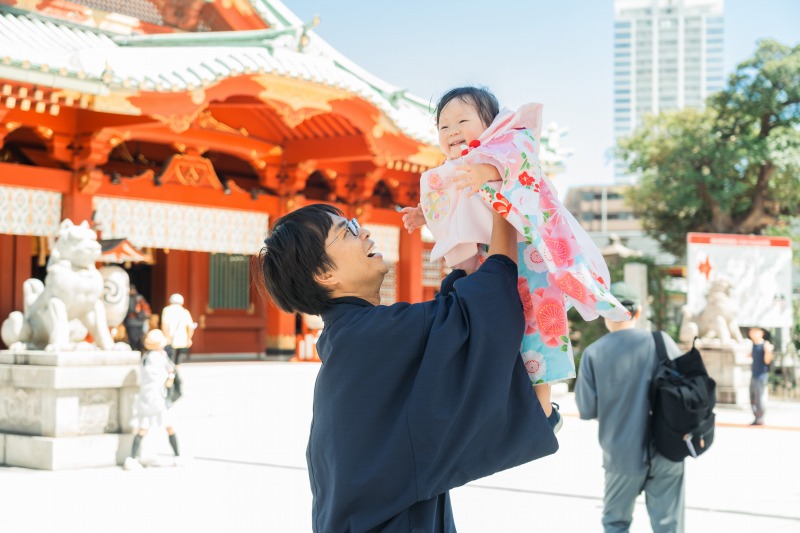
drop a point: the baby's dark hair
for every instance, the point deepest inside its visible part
(480, 97)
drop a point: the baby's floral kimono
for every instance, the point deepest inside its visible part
(559, 265)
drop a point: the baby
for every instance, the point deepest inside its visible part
(493, 163)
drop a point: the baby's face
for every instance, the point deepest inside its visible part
(459, 124)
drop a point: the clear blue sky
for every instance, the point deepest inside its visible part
(558, 52)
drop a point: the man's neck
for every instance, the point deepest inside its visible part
(620, 326)
(373, 298)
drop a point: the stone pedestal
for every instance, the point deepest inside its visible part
(730, 367)
(66, 409)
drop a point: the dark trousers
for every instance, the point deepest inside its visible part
(758, 396)
(177, 354)
(135, 333)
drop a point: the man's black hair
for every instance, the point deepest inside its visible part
(480, 97)
(293, 254)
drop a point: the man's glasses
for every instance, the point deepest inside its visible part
(352, 226)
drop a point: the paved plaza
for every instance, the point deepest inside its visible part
(245, 426)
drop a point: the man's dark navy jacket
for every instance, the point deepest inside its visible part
(415, 399)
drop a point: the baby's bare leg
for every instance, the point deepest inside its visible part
(543, 393)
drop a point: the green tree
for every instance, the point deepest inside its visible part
(733, 167)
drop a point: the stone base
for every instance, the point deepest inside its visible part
(47, 453)
(66, 409)
(729, 366)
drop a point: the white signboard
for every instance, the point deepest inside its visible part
(759, 269)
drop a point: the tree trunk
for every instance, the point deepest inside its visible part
(721, 221)
(757, 217)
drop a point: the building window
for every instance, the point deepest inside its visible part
(229, 281)
(389, 286)
(432, 272)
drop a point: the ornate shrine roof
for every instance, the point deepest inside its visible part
(94, 61)
(109, 59)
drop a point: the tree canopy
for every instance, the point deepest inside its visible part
(733, 167)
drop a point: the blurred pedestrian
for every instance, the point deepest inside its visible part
(762, 357)
(137, 320)
(178, 326)
(612, 386)
(150, 408)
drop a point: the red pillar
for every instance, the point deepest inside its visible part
(77, 207)
(409, 267)
(281, 327)
(15, 268)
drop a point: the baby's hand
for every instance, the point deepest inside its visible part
(472, 177)
(413, 218)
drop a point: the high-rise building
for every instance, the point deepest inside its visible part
(667, 55)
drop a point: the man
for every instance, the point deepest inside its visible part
(411, 399)
(762, 357)
(178, 326)
(612, 386)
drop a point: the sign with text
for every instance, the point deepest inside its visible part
(758, 268)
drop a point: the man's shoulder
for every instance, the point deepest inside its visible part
(617, 341)
(342, 314)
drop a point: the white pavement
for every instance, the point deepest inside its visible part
(246, 426)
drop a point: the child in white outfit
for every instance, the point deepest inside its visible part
(150, 408)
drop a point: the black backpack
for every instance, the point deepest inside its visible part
(682, 400)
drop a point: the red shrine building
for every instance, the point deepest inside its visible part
(187, 128)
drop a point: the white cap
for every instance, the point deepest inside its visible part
(176, 299)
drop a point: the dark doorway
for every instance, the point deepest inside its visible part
(141, 275)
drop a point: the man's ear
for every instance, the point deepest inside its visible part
(327, 279)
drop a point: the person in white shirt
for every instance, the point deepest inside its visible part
(178, 326)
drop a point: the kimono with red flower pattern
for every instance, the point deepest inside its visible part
(559, 265)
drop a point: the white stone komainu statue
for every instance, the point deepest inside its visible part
(716, 323)
(58, 313)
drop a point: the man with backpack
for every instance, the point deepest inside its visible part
(613, 386)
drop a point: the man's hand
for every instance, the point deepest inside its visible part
(413, 218)
(472, 177)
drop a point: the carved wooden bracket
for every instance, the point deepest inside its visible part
(192, 170)
(82, 152)
(406, 194)
(357, 189)
(88, 181)
(289, 180)
(92, 151)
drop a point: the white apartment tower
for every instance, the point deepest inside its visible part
(667, 55)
